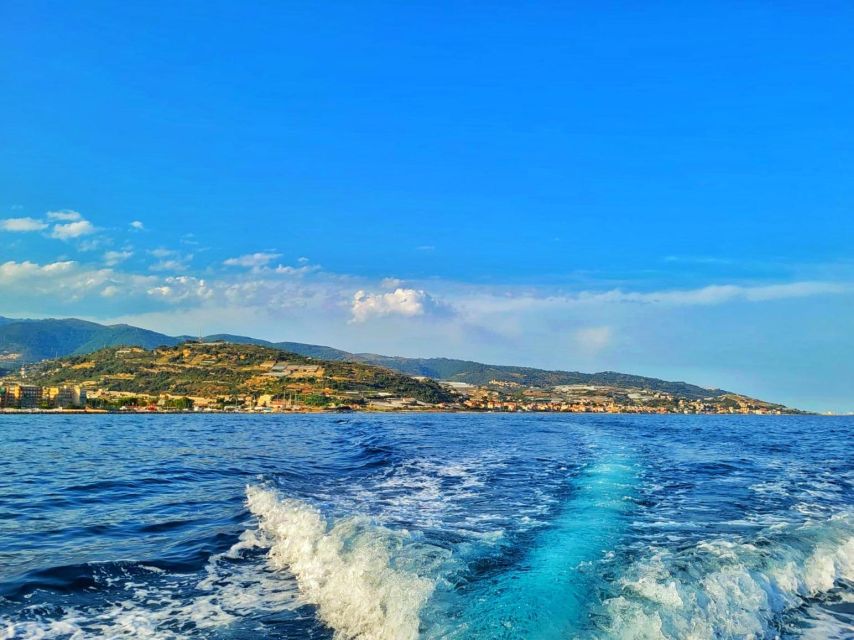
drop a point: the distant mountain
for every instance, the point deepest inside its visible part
(480, 374)
(35, 340)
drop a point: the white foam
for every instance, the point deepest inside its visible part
(359, 576)
(233, 587)
(729, 589)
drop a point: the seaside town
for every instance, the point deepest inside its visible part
(16, 396)
(224, 377)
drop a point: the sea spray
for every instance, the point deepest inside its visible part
(727, 589)
(356, 573)
(545, 596)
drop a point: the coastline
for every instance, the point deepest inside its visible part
(65, 412)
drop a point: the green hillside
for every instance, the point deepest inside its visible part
(309, 350)
(28, 341)
(35, 340)
(226, 369)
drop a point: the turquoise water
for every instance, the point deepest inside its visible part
(396, 527)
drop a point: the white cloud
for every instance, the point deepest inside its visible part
(72, 230)
(57, 282)
(65, 215)
(252, 260)
(719, 294)
(402, 302)
(495, 303)
(94, 243)
(169, 265)
(170, 260)
(181, 288)
(56, 285)
(295, 271)
(593, 339)
(137, 225)
(112, 258)
(260, 263)
(13, 272)
(22, 224)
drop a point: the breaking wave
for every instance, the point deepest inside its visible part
(367, 581)
(731, 589)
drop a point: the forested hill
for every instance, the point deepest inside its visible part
(28, 341)
(216, 369)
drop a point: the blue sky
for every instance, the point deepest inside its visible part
(660, 189)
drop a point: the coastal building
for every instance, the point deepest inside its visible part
(26, 396)
(15, 395)
(65, 397)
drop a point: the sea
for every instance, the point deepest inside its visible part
(426, 526)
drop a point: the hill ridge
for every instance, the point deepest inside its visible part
(26, 341)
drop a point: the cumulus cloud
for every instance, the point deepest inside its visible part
(22, 225)
(400, 302)
(136, 225)
(55, 285)
(12, 272)
(72, 230)
(252, 260)
(112, 258)
(181, 288)
(64, 215)
(62, 281)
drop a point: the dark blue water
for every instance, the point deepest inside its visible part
(395, 527)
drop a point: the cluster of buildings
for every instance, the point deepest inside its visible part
(27, 396)
(498, 396)
(512, 397)
(486, 403)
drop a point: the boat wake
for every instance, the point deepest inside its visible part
(366, 581)
(732, 589)
(145, 601)
(544, 595)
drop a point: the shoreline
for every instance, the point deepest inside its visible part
(66, 412)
